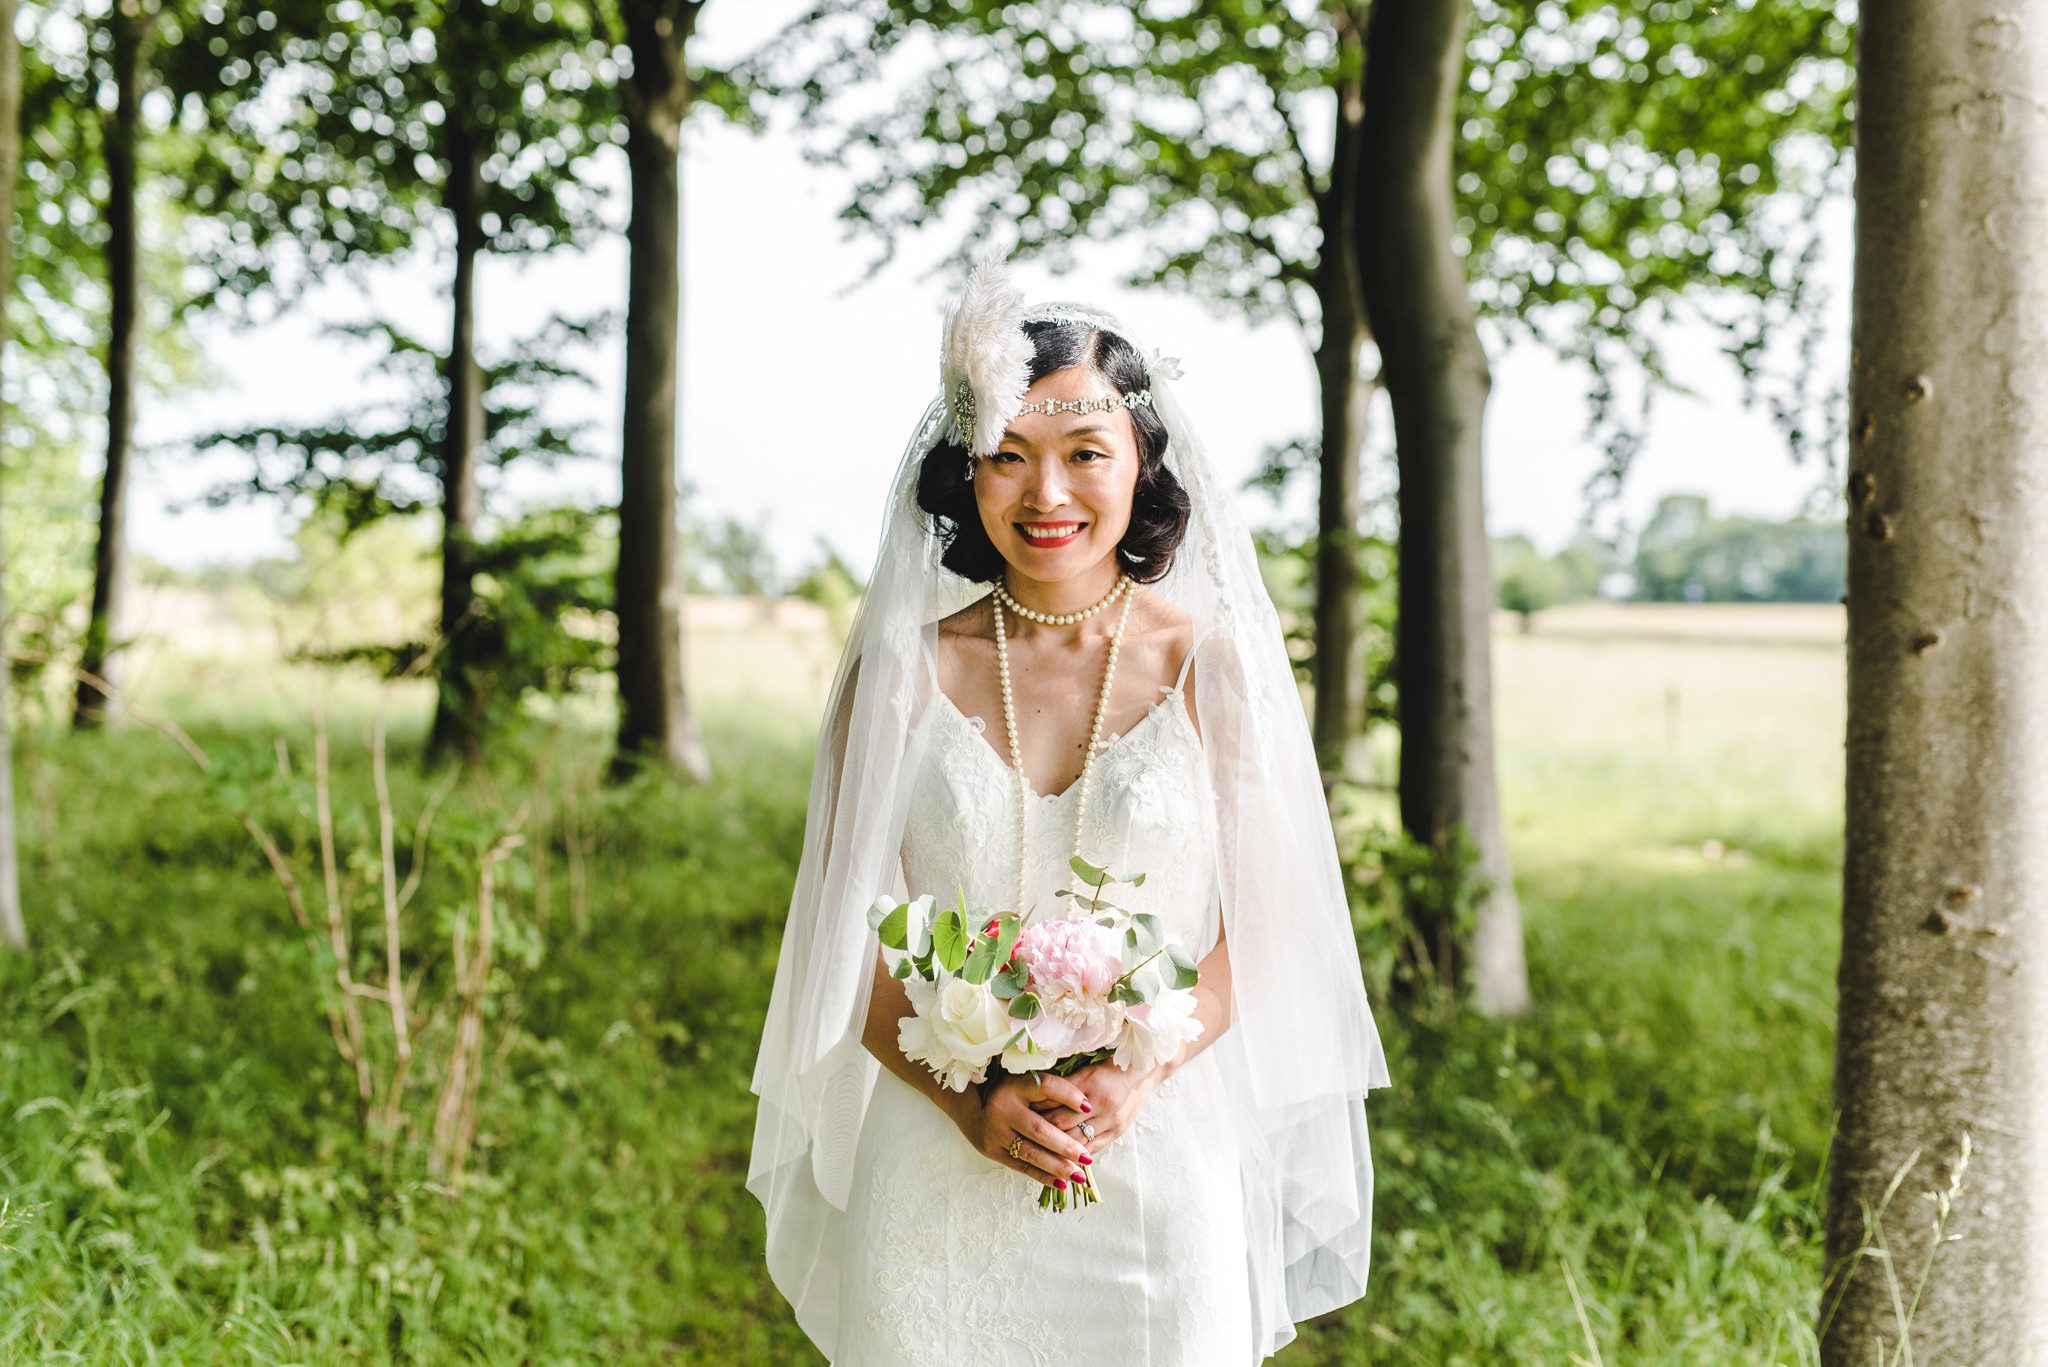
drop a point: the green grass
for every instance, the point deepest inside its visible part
(184, 1177)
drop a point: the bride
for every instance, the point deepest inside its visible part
(1065, 649)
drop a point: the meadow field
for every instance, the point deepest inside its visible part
(1628, 1174)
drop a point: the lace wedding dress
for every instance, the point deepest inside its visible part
(948, 1259)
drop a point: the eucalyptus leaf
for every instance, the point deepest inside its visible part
(1185, 973)
(903, 969)
(920, 933)
(1087, 870)
(1024, 1006)
(893, 928)
(949, 941)
(879, 910)
(981, 961)
(1006, 938)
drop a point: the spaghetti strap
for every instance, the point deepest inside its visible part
(1188, 663)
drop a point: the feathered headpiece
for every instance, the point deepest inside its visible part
(985, 358)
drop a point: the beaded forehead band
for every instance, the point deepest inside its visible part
(1050, 406)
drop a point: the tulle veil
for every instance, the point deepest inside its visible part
(1300, 1050)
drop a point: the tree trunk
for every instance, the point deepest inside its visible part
(1941, 1054)
(458, 721)
(1437, 377)
(1339, 674)
(12, 931)
(656, 725)
(121, 139)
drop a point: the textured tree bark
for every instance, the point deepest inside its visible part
(1437, 377)
(656, 726)
(1338, 672)
(1941, 1057)
(121, 137)
(458, 721)
(13, 932)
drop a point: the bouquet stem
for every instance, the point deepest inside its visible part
(1078, 1195)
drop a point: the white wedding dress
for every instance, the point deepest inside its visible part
(948, 1260)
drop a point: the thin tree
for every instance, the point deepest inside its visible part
(13, 932)
(99, 167)
(128, 29)
(474, 119)
(1437, 376)
(656, 725)
(1938, 1173)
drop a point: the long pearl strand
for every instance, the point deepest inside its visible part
(1094, 732)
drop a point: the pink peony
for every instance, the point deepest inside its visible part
(1073, 963)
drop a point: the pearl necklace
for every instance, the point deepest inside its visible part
(1094, 732)
(1062, 619)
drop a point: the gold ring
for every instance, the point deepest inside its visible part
(1015, 1150)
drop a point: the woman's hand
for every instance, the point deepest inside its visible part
(1048, 1154)
(1116, 1095)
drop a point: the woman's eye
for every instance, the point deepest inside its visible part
(1097, 455)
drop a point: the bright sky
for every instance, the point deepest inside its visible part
(798, 394)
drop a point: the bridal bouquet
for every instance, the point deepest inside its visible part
(1101, 984)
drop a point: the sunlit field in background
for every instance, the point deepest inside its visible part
(1626, 1176)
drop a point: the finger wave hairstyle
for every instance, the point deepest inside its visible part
(1159, 504)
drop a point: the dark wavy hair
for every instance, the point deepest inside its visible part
(1159, 505)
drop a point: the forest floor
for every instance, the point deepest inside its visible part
(1628, 1174)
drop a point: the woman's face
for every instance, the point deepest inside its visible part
(1071, 475)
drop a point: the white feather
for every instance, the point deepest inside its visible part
(985, 348)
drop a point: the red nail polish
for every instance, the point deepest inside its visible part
(1086, 1159)
(1080, 1177)
(1086, 1107)
(1060, 1182)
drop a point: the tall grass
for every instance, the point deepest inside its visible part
(1630, 1174)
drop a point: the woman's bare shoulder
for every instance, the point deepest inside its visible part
(1165, 621)
(973, 620)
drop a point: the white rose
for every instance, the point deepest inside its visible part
(958, 1027)
(1156, 1032)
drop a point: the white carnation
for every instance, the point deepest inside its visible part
(1156, 1032)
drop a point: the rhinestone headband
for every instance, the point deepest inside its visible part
(964, 399)
(1132, 400)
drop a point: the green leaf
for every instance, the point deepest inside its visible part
(1185, 973)
(921, 924)
(903, 969)
(1087, 870)
(1024, 1006)
(949, 941)
(981, 961)
(1006, 937)
(894, 927)
(1149, 933)
(1008, 982)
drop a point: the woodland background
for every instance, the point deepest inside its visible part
(393, 919)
